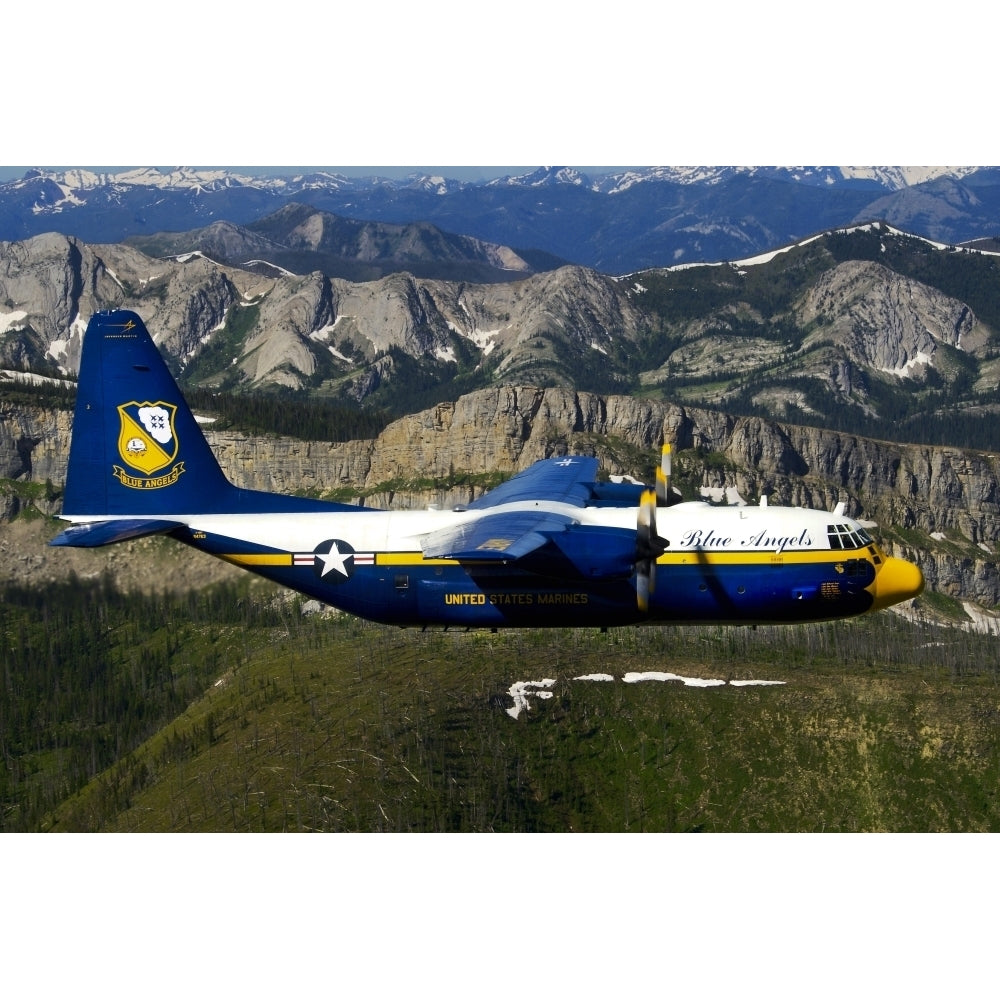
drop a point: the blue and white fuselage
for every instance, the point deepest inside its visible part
(550, 547)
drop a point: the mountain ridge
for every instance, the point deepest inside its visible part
(894, 178)
(864, 327)
(300, 239)
(616, 222)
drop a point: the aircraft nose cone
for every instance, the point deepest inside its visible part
(897, 580)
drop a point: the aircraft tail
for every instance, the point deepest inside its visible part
(138, 457)
(136, 447)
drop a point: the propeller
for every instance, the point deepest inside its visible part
(663, 476)
(649, 546)
(665, 495)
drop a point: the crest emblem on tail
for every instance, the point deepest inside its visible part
(147, 443)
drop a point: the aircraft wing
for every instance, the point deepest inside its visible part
(542, 541)
(119, 529)
(495, 537)
(550, 544)
(562, 480)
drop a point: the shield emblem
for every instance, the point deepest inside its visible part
(146, 439)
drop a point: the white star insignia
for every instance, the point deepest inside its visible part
(334, 559)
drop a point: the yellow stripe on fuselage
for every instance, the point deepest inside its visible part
(381, 559)
(667, 559)
(731, 558)
(410, 559)
(258, 558)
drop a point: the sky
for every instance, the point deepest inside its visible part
(532, 83)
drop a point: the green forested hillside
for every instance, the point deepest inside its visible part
(231, 712)
(758, 345)
(89, 673)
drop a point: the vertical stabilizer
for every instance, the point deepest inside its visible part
(136, 448)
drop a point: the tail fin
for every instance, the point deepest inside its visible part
(136, 448)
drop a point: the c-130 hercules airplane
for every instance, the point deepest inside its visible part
(552, 546)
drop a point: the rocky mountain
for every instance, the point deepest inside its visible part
(299, 239)
(616, 223)
(938, 505)
(230, 327)
(866, 330)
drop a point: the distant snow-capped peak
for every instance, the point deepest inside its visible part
(891, 178)
(543, 176)
(903, 177)
(187, 178)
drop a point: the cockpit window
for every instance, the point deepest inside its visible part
(845, 536)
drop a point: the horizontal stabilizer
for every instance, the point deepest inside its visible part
(90, 536)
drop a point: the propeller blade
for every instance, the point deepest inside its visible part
(663, 476)
(642, 587)
(646, 526)
(649, 546)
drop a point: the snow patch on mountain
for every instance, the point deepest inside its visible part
(12, 320)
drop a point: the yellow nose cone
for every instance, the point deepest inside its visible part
(896, 580)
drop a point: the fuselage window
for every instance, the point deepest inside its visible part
(402, 581)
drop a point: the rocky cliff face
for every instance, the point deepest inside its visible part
(52, 285)
(938, 505)
(883, 320)
(305, 324)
